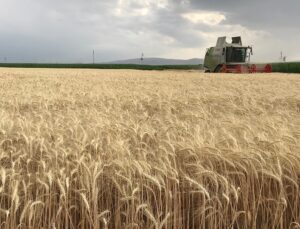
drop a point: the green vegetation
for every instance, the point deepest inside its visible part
(290, 67)
(102, 66)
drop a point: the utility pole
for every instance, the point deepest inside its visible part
(142, 58)
(93, 56)
(282, 57)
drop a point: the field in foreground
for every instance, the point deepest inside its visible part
(139, 149)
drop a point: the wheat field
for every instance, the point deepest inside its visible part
(148, 149)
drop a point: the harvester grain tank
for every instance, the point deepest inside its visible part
(232, 58)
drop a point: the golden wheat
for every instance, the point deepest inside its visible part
(148, 149)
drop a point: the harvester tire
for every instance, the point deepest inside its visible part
(218, 69)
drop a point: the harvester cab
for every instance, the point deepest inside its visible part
(232, 58)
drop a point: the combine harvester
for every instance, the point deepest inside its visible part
(232, 58)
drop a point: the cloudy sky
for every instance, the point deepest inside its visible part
(68, 30)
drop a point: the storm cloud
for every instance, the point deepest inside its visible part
(68, 31)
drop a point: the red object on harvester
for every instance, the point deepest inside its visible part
(253, 68)
(230, 68)
(234, 68)
(268, 68)
(263, 68)
(241, 68)
(238, 68)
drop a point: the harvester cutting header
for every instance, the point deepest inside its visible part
(232, 58)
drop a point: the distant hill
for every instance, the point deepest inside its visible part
(159, 61)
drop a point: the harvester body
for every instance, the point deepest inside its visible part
(232, 58)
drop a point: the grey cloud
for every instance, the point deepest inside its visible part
(255, 14)
(68, 31)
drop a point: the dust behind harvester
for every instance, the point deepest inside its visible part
(232, 58)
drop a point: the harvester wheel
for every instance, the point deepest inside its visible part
(206, 71)
(219, 68)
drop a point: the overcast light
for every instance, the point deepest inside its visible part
(68, 31)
